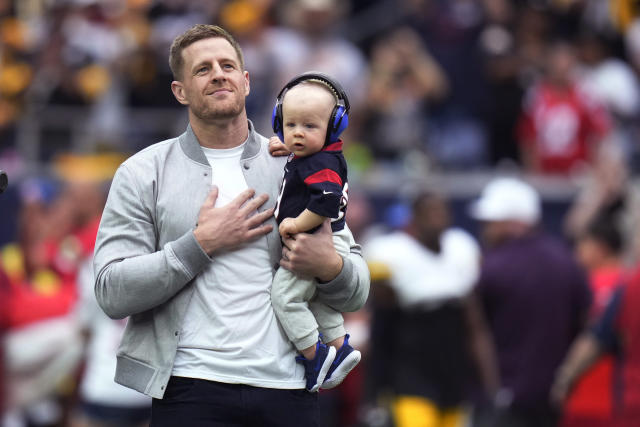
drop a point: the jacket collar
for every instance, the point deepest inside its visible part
(191, 147)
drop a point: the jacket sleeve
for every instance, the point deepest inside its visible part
(350, 289)
(132, 274)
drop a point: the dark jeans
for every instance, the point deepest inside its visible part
(199, 403)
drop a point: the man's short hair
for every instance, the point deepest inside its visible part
(192, 35)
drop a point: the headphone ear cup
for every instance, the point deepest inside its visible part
(339, 122)
(276, 120)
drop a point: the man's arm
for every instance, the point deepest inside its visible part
(587, 349)
(343, 283)
(131, 274)
(584, 352)
(481, 346)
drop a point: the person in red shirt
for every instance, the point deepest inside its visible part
(598, 249)
(616, 332)
(560, 126)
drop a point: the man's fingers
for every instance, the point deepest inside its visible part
(285, 264)
(254, 204)
(259, 231)
(242, 198)
(259, 218)
(287, 242)
(326, 226)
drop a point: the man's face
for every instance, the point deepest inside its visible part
(495, 233)
(213, 85)
(432, 217)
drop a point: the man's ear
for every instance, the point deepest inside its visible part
(247, 83)
(178, 91)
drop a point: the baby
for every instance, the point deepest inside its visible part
(310, 114)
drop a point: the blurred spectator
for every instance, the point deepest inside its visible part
(101, 401)
(449, 29)
(425, 320)
(249, 22)
(616, 332)
(503, 68)
(536, 299)
(4, 297)
(312, 40)
(604, 192)
(608, 79)
(305, 35)
(16, 70)
(608, 190)
(632, 39)
(42, 345)
(599, 250)
(613, 83)
(44, 342)
(404, 79)
(560, 127)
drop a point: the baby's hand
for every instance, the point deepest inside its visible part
(288, 227)
(277, 147)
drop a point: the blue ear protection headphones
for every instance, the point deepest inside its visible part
(339, 118)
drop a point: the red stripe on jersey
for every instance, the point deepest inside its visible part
(325, 175)
(334, 146)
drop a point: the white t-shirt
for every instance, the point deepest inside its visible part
(230, 333)
(420, 276)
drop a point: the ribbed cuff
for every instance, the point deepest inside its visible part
(190, 253)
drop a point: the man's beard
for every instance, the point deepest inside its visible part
(217, 112)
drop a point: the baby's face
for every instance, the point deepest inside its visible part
(305, 116)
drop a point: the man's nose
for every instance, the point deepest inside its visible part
(217, 73)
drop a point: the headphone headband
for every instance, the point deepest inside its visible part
(339, 118)
(316, 75)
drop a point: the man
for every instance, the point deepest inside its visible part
(599, 249)
(616, 332)
(192, 265)
(560, 127)
(426, 329)
(535, 297)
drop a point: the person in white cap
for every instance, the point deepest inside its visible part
(535, 298)
(508, 207)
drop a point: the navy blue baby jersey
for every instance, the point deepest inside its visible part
(318, 183)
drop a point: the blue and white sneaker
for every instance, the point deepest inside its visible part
(316, 370)
(346, 359)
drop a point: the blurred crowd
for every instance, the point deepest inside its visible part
(438, 89)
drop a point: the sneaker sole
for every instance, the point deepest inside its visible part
(331, 355)
(342, 370)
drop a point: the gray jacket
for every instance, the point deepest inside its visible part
(147, 259)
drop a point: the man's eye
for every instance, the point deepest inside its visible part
(202, 70)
